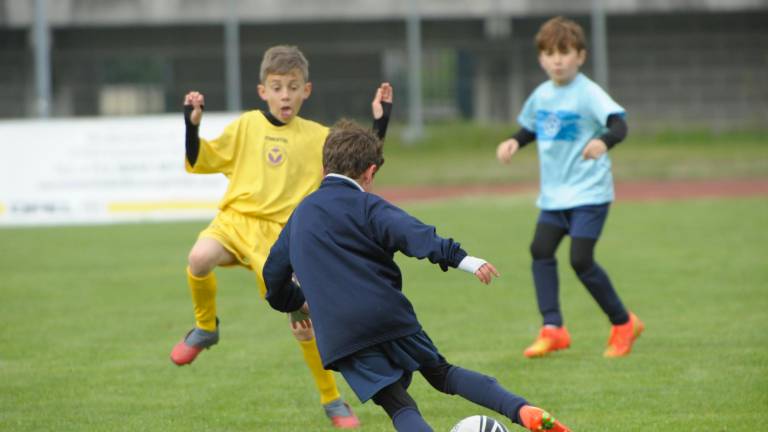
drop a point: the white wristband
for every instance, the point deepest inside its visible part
(471, 264)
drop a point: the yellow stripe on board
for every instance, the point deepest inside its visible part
(139, 207)
(2, 208)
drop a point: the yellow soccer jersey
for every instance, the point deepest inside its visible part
(270, 168)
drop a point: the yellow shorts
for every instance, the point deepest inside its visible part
(248, 238)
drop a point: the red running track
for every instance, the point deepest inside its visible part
(625, 191)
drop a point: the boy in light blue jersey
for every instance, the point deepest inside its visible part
(574, 122)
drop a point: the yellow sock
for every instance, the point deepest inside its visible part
(203, 290)
(324, 380)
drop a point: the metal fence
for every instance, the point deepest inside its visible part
(668, 69)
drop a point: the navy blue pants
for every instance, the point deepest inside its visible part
(383, 373)
(584, 225)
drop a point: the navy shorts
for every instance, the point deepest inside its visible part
(583, 221)
(369, 370)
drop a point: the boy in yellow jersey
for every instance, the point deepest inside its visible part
(273, 159)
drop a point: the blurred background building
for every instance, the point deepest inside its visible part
(671, 63)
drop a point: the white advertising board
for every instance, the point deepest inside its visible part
(103, 170)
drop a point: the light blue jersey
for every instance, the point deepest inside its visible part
(565, 118)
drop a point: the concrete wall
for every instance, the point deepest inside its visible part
(708, 69)
(19, 13)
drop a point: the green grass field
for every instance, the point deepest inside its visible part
(89, 315)
(459, 153)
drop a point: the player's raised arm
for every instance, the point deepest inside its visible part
(196, 102)
(193, 114)
(381, 107)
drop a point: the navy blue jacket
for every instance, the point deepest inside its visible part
(340, 242)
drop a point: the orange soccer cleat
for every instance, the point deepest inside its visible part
(623, 336)
(536, 419)
(550, 339)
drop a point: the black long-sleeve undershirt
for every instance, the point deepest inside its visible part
(617, 130)
(616, 133)
(192, 137)
(524, 137)
(380, 124)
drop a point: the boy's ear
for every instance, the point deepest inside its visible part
(371, 171)
(262, 90)
(307, 90)
(582, 57)
(366, 178)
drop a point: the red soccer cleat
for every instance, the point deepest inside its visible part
(341, 415)
(536, 419)
(196, 340)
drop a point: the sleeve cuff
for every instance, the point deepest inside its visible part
(471, 264)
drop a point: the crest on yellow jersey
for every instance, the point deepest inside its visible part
(275, 153)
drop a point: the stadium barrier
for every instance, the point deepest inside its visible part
(104, 170)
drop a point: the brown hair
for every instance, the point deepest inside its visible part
(560, 33)
(350, 149)
(281, 59)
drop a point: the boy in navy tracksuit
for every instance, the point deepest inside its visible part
(340, 243)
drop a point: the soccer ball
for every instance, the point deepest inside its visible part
(479, 423)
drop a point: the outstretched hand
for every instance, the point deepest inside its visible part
(383, 94)
(196, 100)
(486, 272)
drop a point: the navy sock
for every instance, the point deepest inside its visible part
(484, 391)
(601, 288)
(409, 419)
(547, 286)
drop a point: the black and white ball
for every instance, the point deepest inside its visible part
(479, 423)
